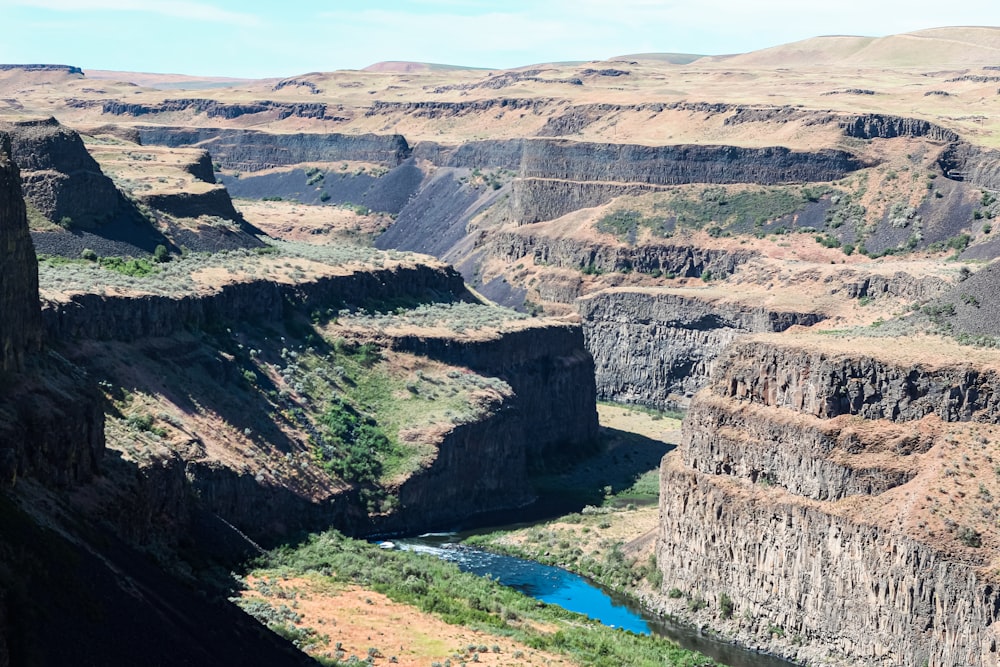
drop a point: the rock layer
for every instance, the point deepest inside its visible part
(757, 514)
(59, 176)
(251, 150)
(20, 326)
(658, 347)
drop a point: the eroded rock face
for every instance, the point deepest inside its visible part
(827, 385)
(20, 325)
(790, 499)
(250, 150)
(859, 591)
(552, 375)
(679, 259)
(51, 426)
(658, 348)
(131, 318)
(59, 177)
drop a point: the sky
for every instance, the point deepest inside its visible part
(266, 38)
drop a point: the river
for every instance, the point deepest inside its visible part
(559, 587)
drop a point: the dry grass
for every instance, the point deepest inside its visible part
(899, 69)
(923, 350)
(358, 620)
(318, 225)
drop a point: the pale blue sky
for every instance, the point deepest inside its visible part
(255, 38)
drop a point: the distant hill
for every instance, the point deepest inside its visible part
(937, 47)
(672, 58)
(166, 81)
(406, 66)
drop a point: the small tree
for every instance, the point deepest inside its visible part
(161, 254)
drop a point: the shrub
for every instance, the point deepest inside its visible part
(161, 254)
(970, 537)
(726, 606)
(88, 255)
(141, 421)
(696, 604)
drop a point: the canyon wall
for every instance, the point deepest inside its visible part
(480, 465)
(679, 259)
(552, 375)
(59, 177)
(251, 150)
(658, 347)
(51, 422)
(794, 507)
(20, 326)
(133, 317)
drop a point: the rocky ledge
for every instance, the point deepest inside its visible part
(823, 503)
(658, 346)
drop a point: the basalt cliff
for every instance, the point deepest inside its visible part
(824, 502)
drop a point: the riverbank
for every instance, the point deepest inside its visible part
(611, 540)
(310, 593)
(339, 598)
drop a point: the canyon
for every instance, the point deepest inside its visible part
(228, 296)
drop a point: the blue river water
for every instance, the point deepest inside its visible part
(570, 591)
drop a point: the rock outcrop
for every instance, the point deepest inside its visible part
(658, 347)
(975, 165)
(20, 326)
(61, 69)
(481, 465)
(212, 108)
(251, 150)
(550, 371)
(59, 177)
(51, 424)
(676, 258)
(799, 504)
(882, 126)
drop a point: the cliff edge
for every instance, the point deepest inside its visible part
(833, 500)
(21, 324)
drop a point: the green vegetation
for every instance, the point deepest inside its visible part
(458, 317)
(970, 537)
(78, 275)
(729, 207)
(314, 176)
(726, 606)
(161, 254)
(349, 445)
(721, 210)
(90, 264)
(439, 588)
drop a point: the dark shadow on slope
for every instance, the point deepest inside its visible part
(388, 193)
(94, 600)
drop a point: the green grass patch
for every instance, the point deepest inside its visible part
(437, 587)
